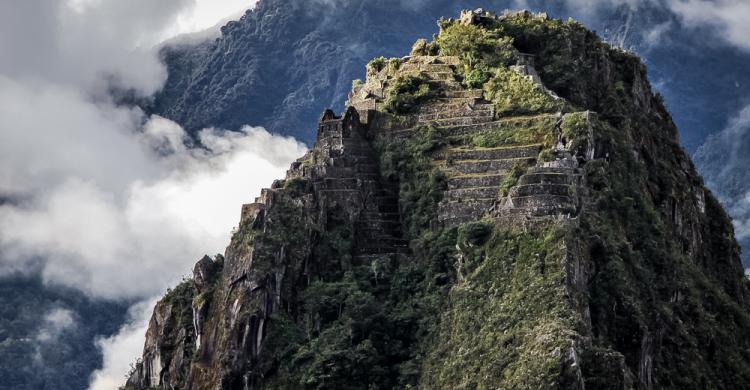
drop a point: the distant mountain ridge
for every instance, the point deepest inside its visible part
(285, 60)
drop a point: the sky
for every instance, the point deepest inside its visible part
(120, 205)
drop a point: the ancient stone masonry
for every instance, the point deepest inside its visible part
(344, 172)
(344, 179)
(475, 174)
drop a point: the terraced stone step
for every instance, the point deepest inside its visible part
(443, 106)
(354, 168)
(538, 201)
(465, 93)
(344, 173)
(444, 85)
(387, 190)
(335, 184)
(451, 60)
(534, 212)
(528, 151)
(456, 130)
(415, 66)
(359, 153)
(367, 168)
(542, 189)
(555, 170)
(549, 178)
(461, 121)
(456, 100)
(452, 212)
(456, 114)
(472, 193)
(485, 166)
(433, 75)
(475, 180)
(357, 148)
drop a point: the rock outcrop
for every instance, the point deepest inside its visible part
(461, 225)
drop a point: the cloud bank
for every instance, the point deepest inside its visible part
(728, 18)
(115, 238)
(103, 198)
(120, 350)
(724, 161)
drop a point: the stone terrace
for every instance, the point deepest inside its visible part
(475, 175)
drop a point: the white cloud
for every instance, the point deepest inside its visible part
(135, 243)
(727, 17)
(207, 14)
(122, 349)
(113, 210)
(89, 42)
(55, 322)
(598, 4)
(724, 162)
(51, 132)
(654, 36)
(109, 201)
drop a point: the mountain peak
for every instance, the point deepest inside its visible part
(507, 207)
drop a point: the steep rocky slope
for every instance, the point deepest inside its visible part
(724, 161)
(508, 207)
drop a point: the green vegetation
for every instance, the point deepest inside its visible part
(514, 94)
(180, 298)
(575, 128)
(519, 169)
(476, 46)
(423, 48)
(474, 233)
(643, 267)
(376, 65)
(422, 184)
(520, 131)
(405, 93)
(510, 295)
(486, 54)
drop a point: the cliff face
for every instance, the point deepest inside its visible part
(508, 207)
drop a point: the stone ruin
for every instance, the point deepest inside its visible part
(344, 167)
(481, 17)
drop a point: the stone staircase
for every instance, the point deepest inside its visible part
(475, 174)
(549, 189)
(378, 232)
(343, 169)
(474, 179)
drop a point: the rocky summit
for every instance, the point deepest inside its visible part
(508, 207)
